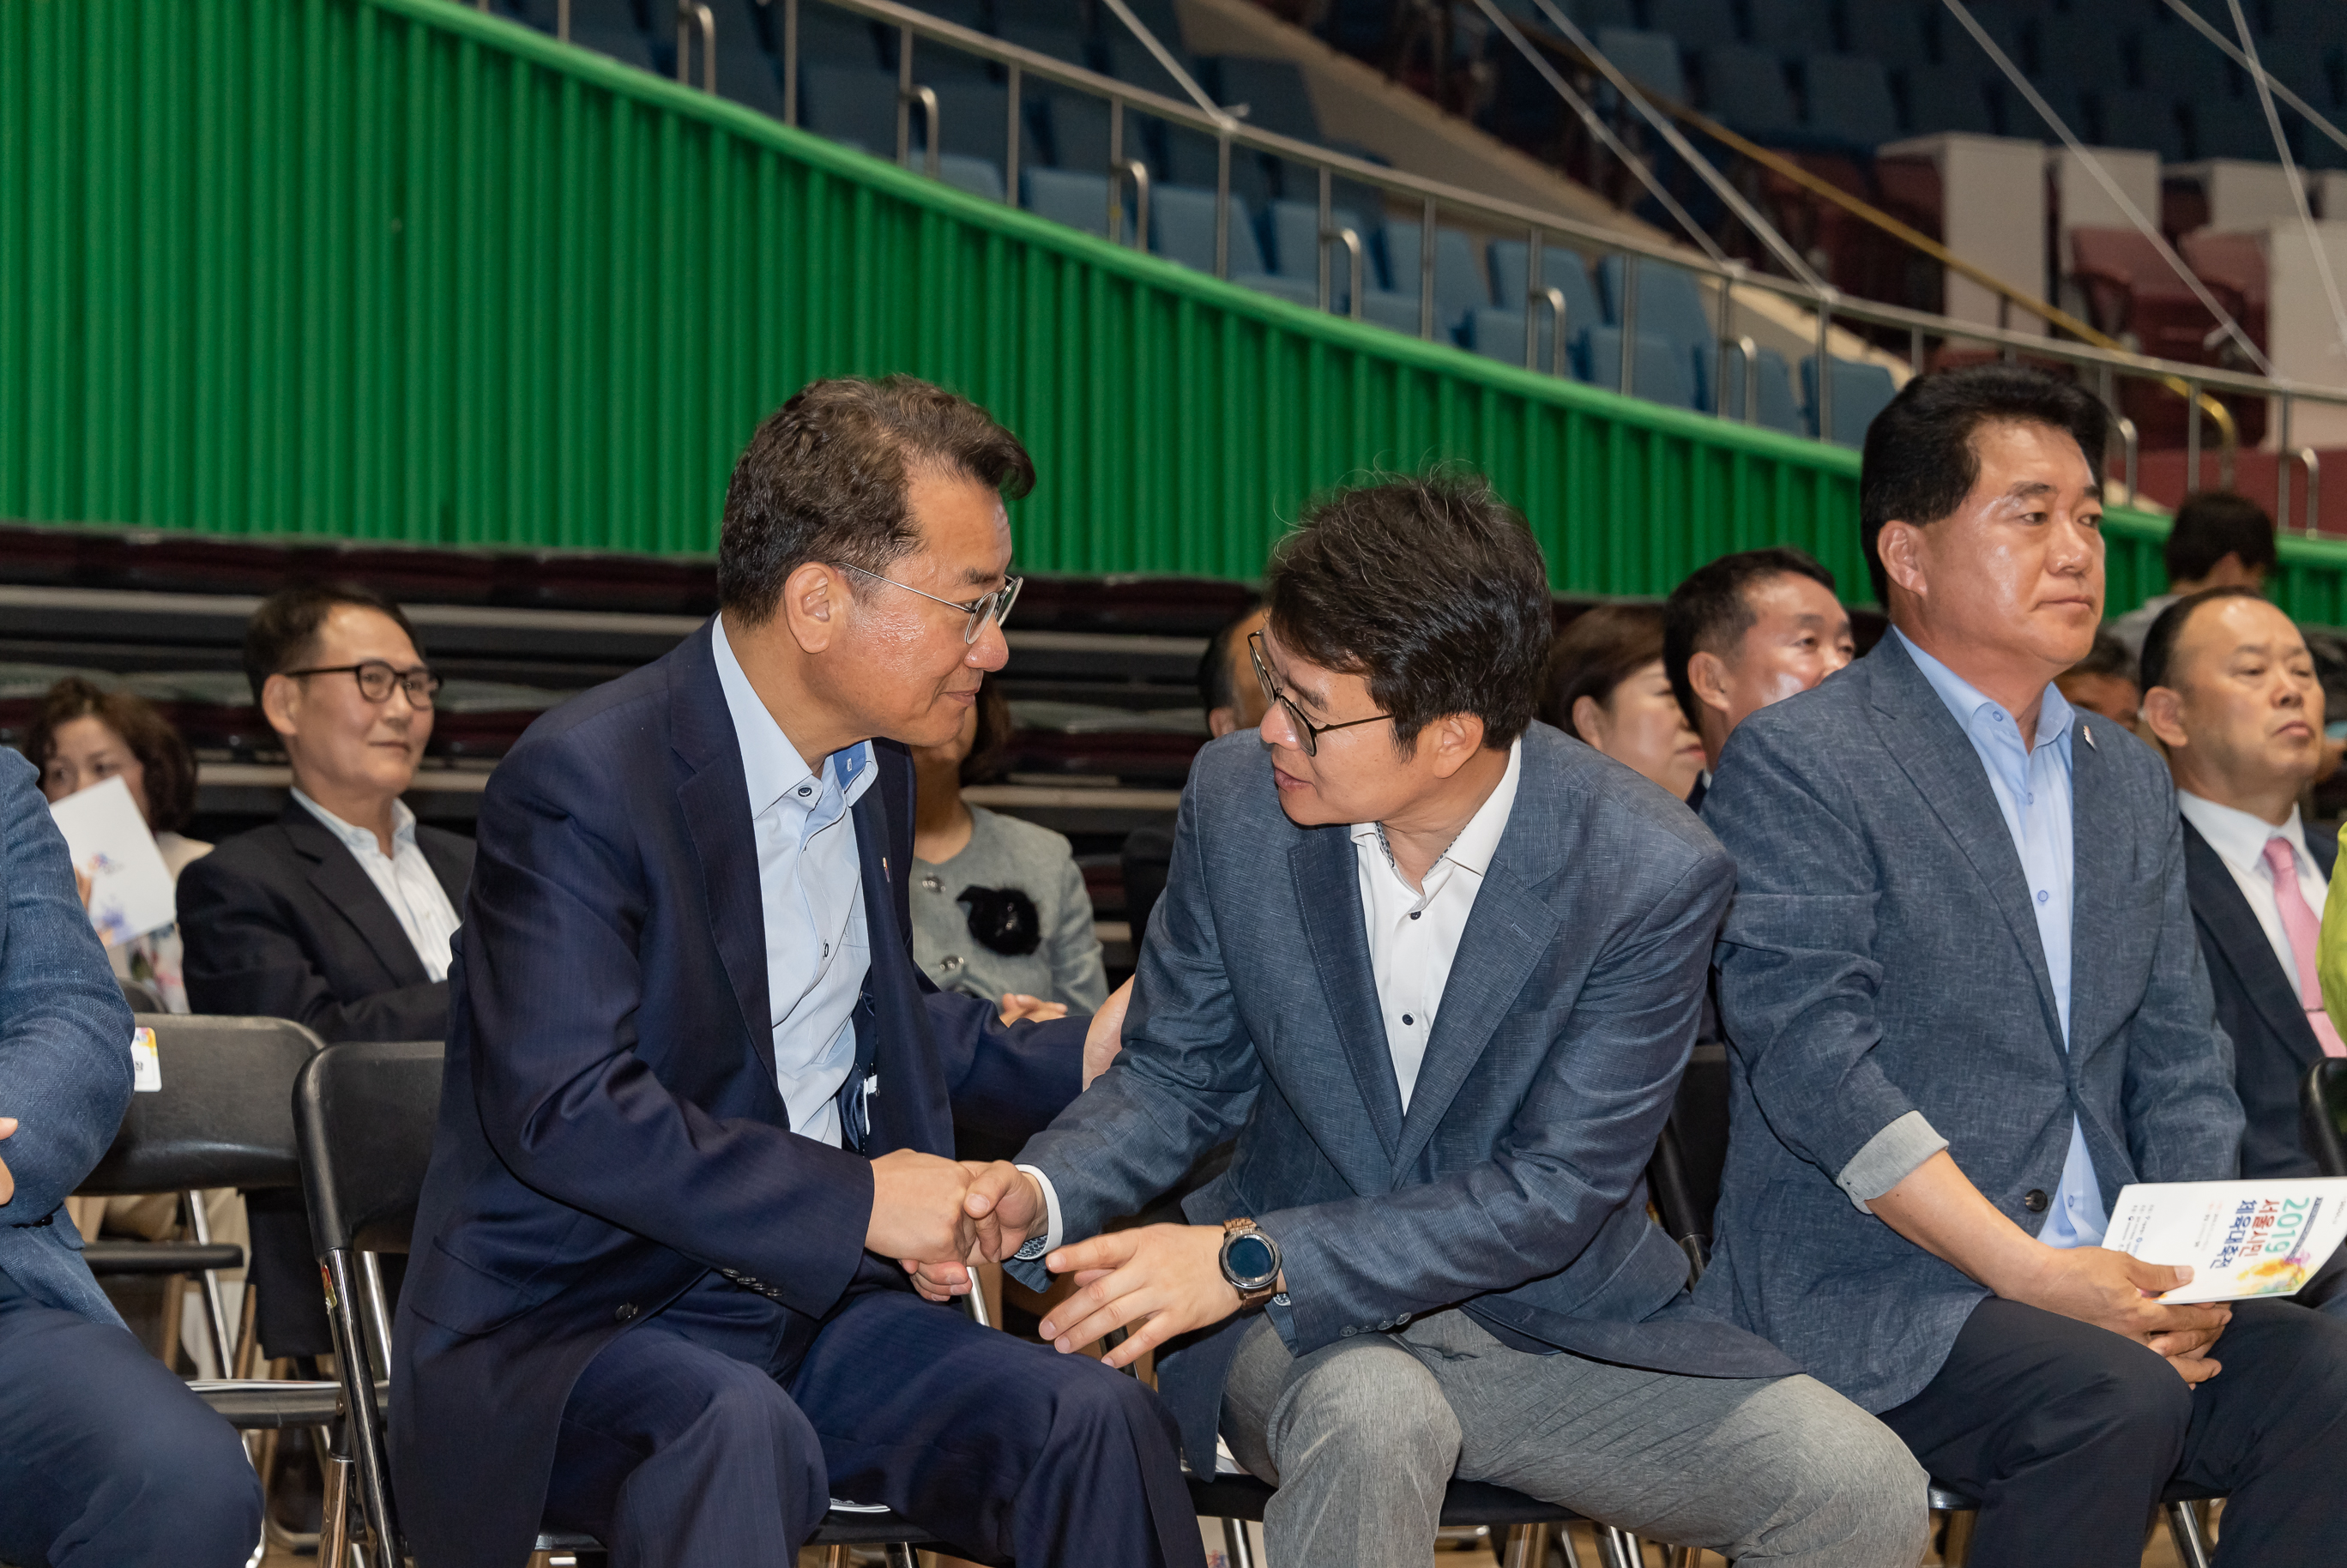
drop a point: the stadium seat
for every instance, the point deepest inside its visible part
(1458, 281)
(1850, 101)
(846, 104)
(1860, 391)
(2234, 267)
(970, 14)
(975, 117)
(1190, 159)
(1271, 91)
(1663, 374)
(1398, 311)
(1793, 26)
(1890, 31)
(1497, 332)
(1776, 405)
(749, 76)
(1182, 228)
(2141, 118)
(1745, 88)
(1951, 98)
(1560, 268)
(1078, 124)
(1999, 20)
(1649, 59)
(1074, 197)
(1670, 305)
(1592, 14)
(1695, 23)
(609, 28)
(978, 176)
(1295, 231)
(829, 37)
(2080, 46)
(1294, 291)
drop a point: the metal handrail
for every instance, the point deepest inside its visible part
(1355, 256)
(2313, 461)
(1751, 352)
(1134, 170)
(926, 97)
(1555, 301)
(690, 17)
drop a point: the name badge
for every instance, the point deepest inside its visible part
(146, 1066)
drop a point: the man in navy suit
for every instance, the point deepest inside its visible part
(105, 1457)
(699, 1103)
(2230, 692)
(1966, 1007)
(1437, 967)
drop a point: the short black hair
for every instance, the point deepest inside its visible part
(824, 477)
(1919, 463)
(1595, 654)
(1709, 612)
(2108, 656)
(1431, 587)
(283, 630)
(2215, 524)
(1215, 687)
(2159, 643)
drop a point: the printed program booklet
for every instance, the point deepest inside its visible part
(2243, 1239)
(130, 891)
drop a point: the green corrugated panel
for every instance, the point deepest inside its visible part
(399, 270)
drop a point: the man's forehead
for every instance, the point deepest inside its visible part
(2023, 460)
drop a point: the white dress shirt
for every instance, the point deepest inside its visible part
(2240, 840)
(811, 891)
(404, 877)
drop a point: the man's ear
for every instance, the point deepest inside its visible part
(2163, 715)
(1707, 674)
(1901, 548)
(1455, 738)
(1221, 721)
(814, 602)
(280, 702)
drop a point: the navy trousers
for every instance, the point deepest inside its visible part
(105, 1457)
(717, 1431)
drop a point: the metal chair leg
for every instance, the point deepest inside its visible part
(2191, 1540)
(1528, 1546)
(901, 1555)
(1958, 1549)
(1238, 1547)
(215, 1305)
(334, 1539)
(1565, 1540)
(834, 1557)
(1623, 1550)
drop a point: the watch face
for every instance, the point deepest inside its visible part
(1249, 1257)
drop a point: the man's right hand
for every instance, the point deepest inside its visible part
(917, 1208)
(2113, 1291)
(7, 1181)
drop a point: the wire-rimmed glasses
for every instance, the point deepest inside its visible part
(1308, 733)
(986, 606)
(376, 678)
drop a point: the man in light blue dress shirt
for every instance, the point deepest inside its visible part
(1966, 1005)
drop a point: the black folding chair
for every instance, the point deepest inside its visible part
(2322, 1115)
(1685, 1184)
(362, 1115)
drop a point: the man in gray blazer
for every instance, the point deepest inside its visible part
(1438, 969)
(1966, 1006)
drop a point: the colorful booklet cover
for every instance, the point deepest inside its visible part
(2243, 1239)
(130, 891)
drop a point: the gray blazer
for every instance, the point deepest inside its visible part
(1515, 1185)
(1882, 958)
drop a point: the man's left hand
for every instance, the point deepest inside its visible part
(1158, 1281)
(1105, 1037)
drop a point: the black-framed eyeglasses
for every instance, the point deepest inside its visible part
(376, 678)
(986, 606)
(1308, 733)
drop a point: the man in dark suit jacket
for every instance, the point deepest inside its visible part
(1438, 969)
(338, 914)
(699, 1103)
(1966, 1006)
(2231, 693)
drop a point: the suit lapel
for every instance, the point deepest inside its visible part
(715, 799)
(1328, 894)
(2225, 915)
(2101, 863)
(910, 1107)
(343, 883)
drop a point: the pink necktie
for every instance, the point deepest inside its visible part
(2299, 924)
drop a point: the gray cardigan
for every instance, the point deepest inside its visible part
(1004, 852)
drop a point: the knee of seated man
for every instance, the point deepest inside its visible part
(2129, 1389)
(178, 1476)
(1377, 1406)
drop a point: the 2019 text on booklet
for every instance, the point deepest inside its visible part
(2243, 1239)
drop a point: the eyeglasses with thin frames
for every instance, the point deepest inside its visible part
(986, 606)
(376, 678)
(1308, 733)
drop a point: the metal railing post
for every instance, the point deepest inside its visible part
(790, 59)
(926, 97)
(1719, 336)
(2313, 461)
(1630, 270)
(2191, 437)
(1824, 410)
(2131, 445)
(562, 20)
(1012, 126)
(1222, 205)
(691, 16)
(1327, 221)
(1426, 271)
(904, 92)
(1750, 349)
(2281, 468)
(1556, 352)
(1131, 168)
(1532, 275)
(1355, 254)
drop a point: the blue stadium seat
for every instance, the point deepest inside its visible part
(1745, 89)
(1649, 59)
(1189, 155)
(1793, 26)
(2078, 45)
(1890, 31)
(847, 104)
(1951, 98)
(749, 76)
(1273, 92)
(978, 176)
(1670, 305)
(1399, 312)
(1074, 197)
(1458, 280)
(1182, 228)
(1850, 101)
(1294, 290)
(1777, 408)
(829, 37)
(1663, 373)
(1497, 332)
(1695, 23)
(611, 27)
(1860, 391)
(1078, 130)
(1560, 268)
(2140, 117)
(975, 117)
(1295, 228)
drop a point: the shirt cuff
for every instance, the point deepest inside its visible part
(1050, 1240)
(1888, 1158)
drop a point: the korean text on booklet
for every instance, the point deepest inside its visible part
(2243, 1239)
(130, 891)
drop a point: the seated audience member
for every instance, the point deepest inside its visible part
(700, 1102)
(1438, 971)
(338, 914)
(1000, 909)
(85, 736)
(1967, 1007)
(1745, 630)
(2219, 539)
(1227, 691)
(1607, 685)
(106, 1457)
(2103, 681)
(2231, 694)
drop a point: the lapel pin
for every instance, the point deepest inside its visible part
(2087, 730)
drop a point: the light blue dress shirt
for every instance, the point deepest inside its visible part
(811, 890)
(2032, 785)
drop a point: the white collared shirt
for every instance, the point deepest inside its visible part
(404, 877)
(811, 892)
(1414, 933)
(2240, 840)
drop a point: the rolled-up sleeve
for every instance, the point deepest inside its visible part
(1890, 1157)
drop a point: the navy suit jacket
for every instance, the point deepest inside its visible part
(610, 1127)
(2257, 1006)
(1882, 958)
(1515, 1185)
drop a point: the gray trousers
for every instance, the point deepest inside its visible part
(1362, 1435)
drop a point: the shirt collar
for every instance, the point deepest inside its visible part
(2238, 836)
(771, 765)
(1480, 839)
(402, 824)
(1966, 701)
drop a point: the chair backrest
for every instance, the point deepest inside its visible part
(364, 1113)
(2322, 1115)
(1849, 101)
(1696, 22)
(1274, 93)
(1746, 87)
(850, 103)
(1561, 269)
(1649, 59)
(1803, 26)
(1860, 391)
(140, 995)
(1948, 99)
(1182, 228)
(1663, 374)
(224, 1115)
(1458, 281)
(1074, 197)
(1670, 303)
(1777, 408)
(1295, 228)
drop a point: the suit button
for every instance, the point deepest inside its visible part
(2033, 1200)
(627, 1309)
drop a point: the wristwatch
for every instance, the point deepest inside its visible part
(1250, 1262)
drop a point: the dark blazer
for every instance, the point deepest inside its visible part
(1515, 1183)
(281, 922)
(1882, 958)
(2257, 1006)
(610, 1128)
